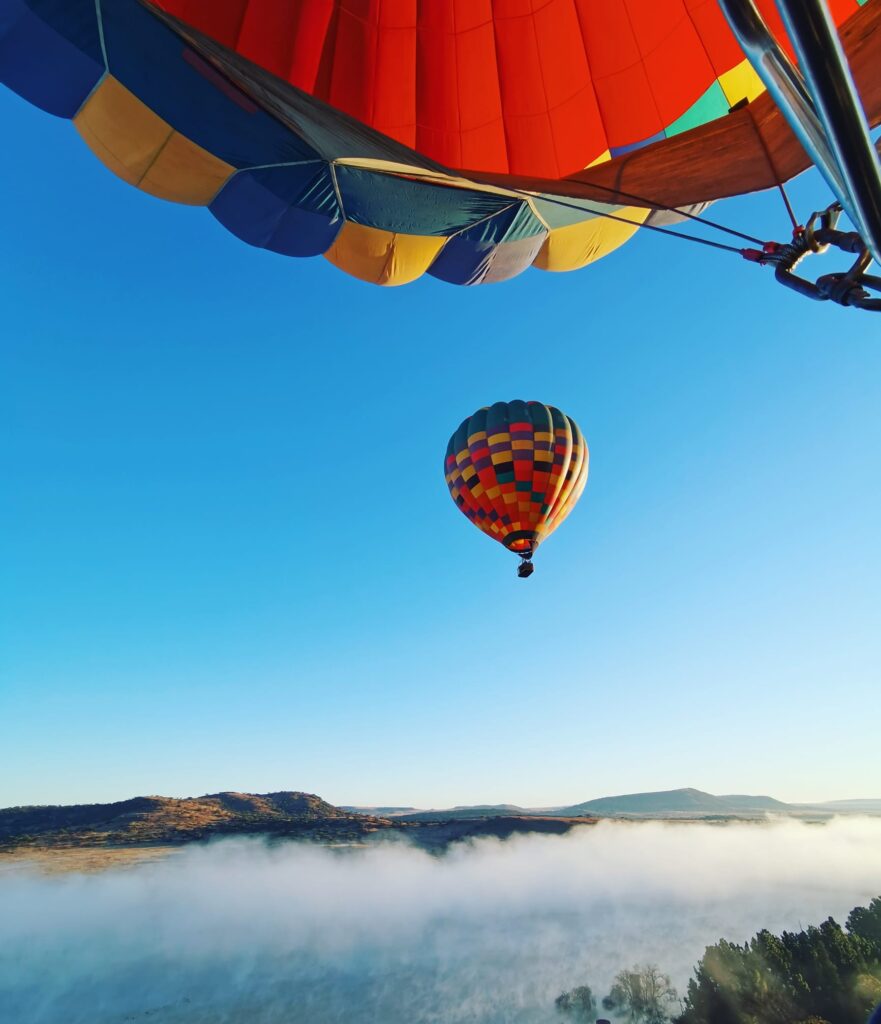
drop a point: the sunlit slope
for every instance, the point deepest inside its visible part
(158, 819)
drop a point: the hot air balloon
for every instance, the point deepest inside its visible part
(466, 139)
(516, 470)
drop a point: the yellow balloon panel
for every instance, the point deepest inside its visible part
(142, 149)
(383, 257)
(575, 245)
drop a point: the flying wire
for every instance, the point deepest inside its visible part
(643, 201)
(624, 220)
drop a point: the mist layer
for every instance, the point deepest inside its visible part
(238, 931)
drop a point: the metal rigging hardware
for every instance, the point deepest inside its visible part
(821, 231)
(820, 102)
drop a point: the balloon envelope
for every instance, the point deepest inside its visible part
(538, 89)
(516, 470)
(466, 139)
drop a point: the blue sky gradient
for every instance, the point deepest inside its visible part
(230, 560)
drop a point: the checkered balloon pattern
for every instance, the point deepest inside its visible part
(516, 470)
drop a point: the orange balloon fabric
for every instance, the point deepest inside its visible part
(539, 88)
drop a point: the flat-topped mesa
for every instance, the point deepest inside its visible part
(158, 819)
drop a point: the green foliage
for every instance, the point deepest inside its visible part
(643, 994)
(866, 923)
(822, 975)
(579, 1004)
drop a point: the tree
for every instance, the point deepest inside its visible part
(579, 1003)
(824, 974)
(866, 922)
(643, 993)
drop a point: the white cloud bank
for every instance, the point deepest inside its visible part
(241, 933)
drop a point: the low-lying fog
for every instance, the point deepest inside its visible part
(245, 933)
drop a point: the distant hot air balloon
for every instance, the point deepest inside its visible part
(466, 139)
(516, 470)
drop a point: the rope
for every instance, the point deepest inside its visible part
(623, 220)
(773, 168)
(643, 201)
(788, 205)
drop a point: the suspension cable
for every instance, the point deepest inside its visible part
(637, 224)
(773, 169)
(643, 201)
(782, 190)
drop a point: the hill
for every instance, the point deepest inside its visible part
(382, 812)
(665, 804)
(756, 803)
(677, 802)
(165, 821)
(159, 819)
(864, 806)
(671, 803)
(475, 811)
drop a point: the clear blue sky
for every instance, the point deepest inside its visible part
(230, 560)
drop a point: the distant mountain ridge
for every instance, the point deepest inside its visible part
(665, 803)
(383, 812)
(158, 820)
(164, 821)
(671, 803)
(476, 811)
(677, 801)
(858, 806)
